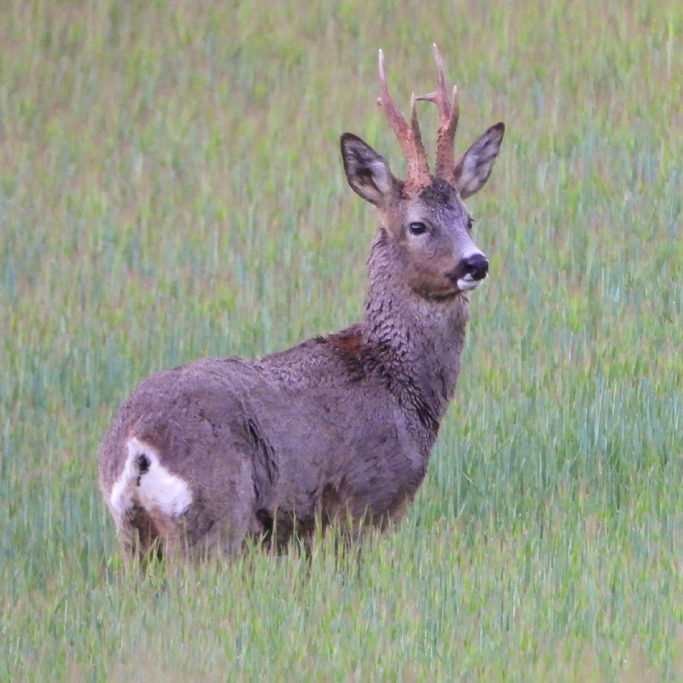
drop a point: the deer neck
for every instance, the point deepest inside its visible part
(415, 341)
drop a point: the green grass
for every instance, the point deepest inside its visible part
(171, 188)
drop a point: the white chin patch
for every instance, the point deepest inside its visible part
(467, 282)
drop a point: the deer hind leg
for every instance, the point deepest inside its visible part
(148, 503)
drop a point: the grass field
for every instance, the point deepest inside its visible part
(171, 188)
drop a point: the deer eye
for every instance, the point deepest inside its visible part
(470, 223)
(417, 228)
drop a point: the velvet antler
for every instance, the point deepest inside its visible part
(448, 120)
(409, 136)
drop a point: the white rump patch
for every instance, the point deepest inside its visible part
(147, 483)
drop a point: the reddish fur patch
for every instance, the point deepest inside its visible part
(350, 344)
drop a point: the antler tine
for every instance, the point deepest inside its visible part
(448, 119)
(417, 135)
(409, 137)
(387, 103)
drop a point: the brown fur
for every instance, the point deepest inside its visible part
(347, 342)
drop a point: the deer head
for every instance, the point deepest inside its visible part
(424, 216)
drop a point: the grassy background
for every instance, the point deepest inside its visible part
(170, 188)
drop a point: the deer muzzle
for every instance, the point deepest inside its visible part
(471, 270)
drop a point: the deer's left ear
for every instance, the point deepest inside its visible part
(367, 172)
(474, 167)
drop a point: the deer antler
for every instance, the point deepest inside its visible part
(409, 136)
(448, 120)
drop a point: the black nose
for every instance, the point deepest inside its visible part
(477, 266)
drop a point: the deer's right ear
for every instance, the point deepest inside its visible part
(367, 172)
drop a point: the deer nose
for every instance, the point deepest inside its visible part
(477, 266)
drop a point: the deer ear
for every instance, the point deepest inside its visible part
(367, 172)
(474, 167)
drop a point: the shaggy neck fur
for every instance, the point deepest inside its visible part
(416, 341)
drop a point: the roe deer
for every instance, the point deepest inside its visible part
(339, 427)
